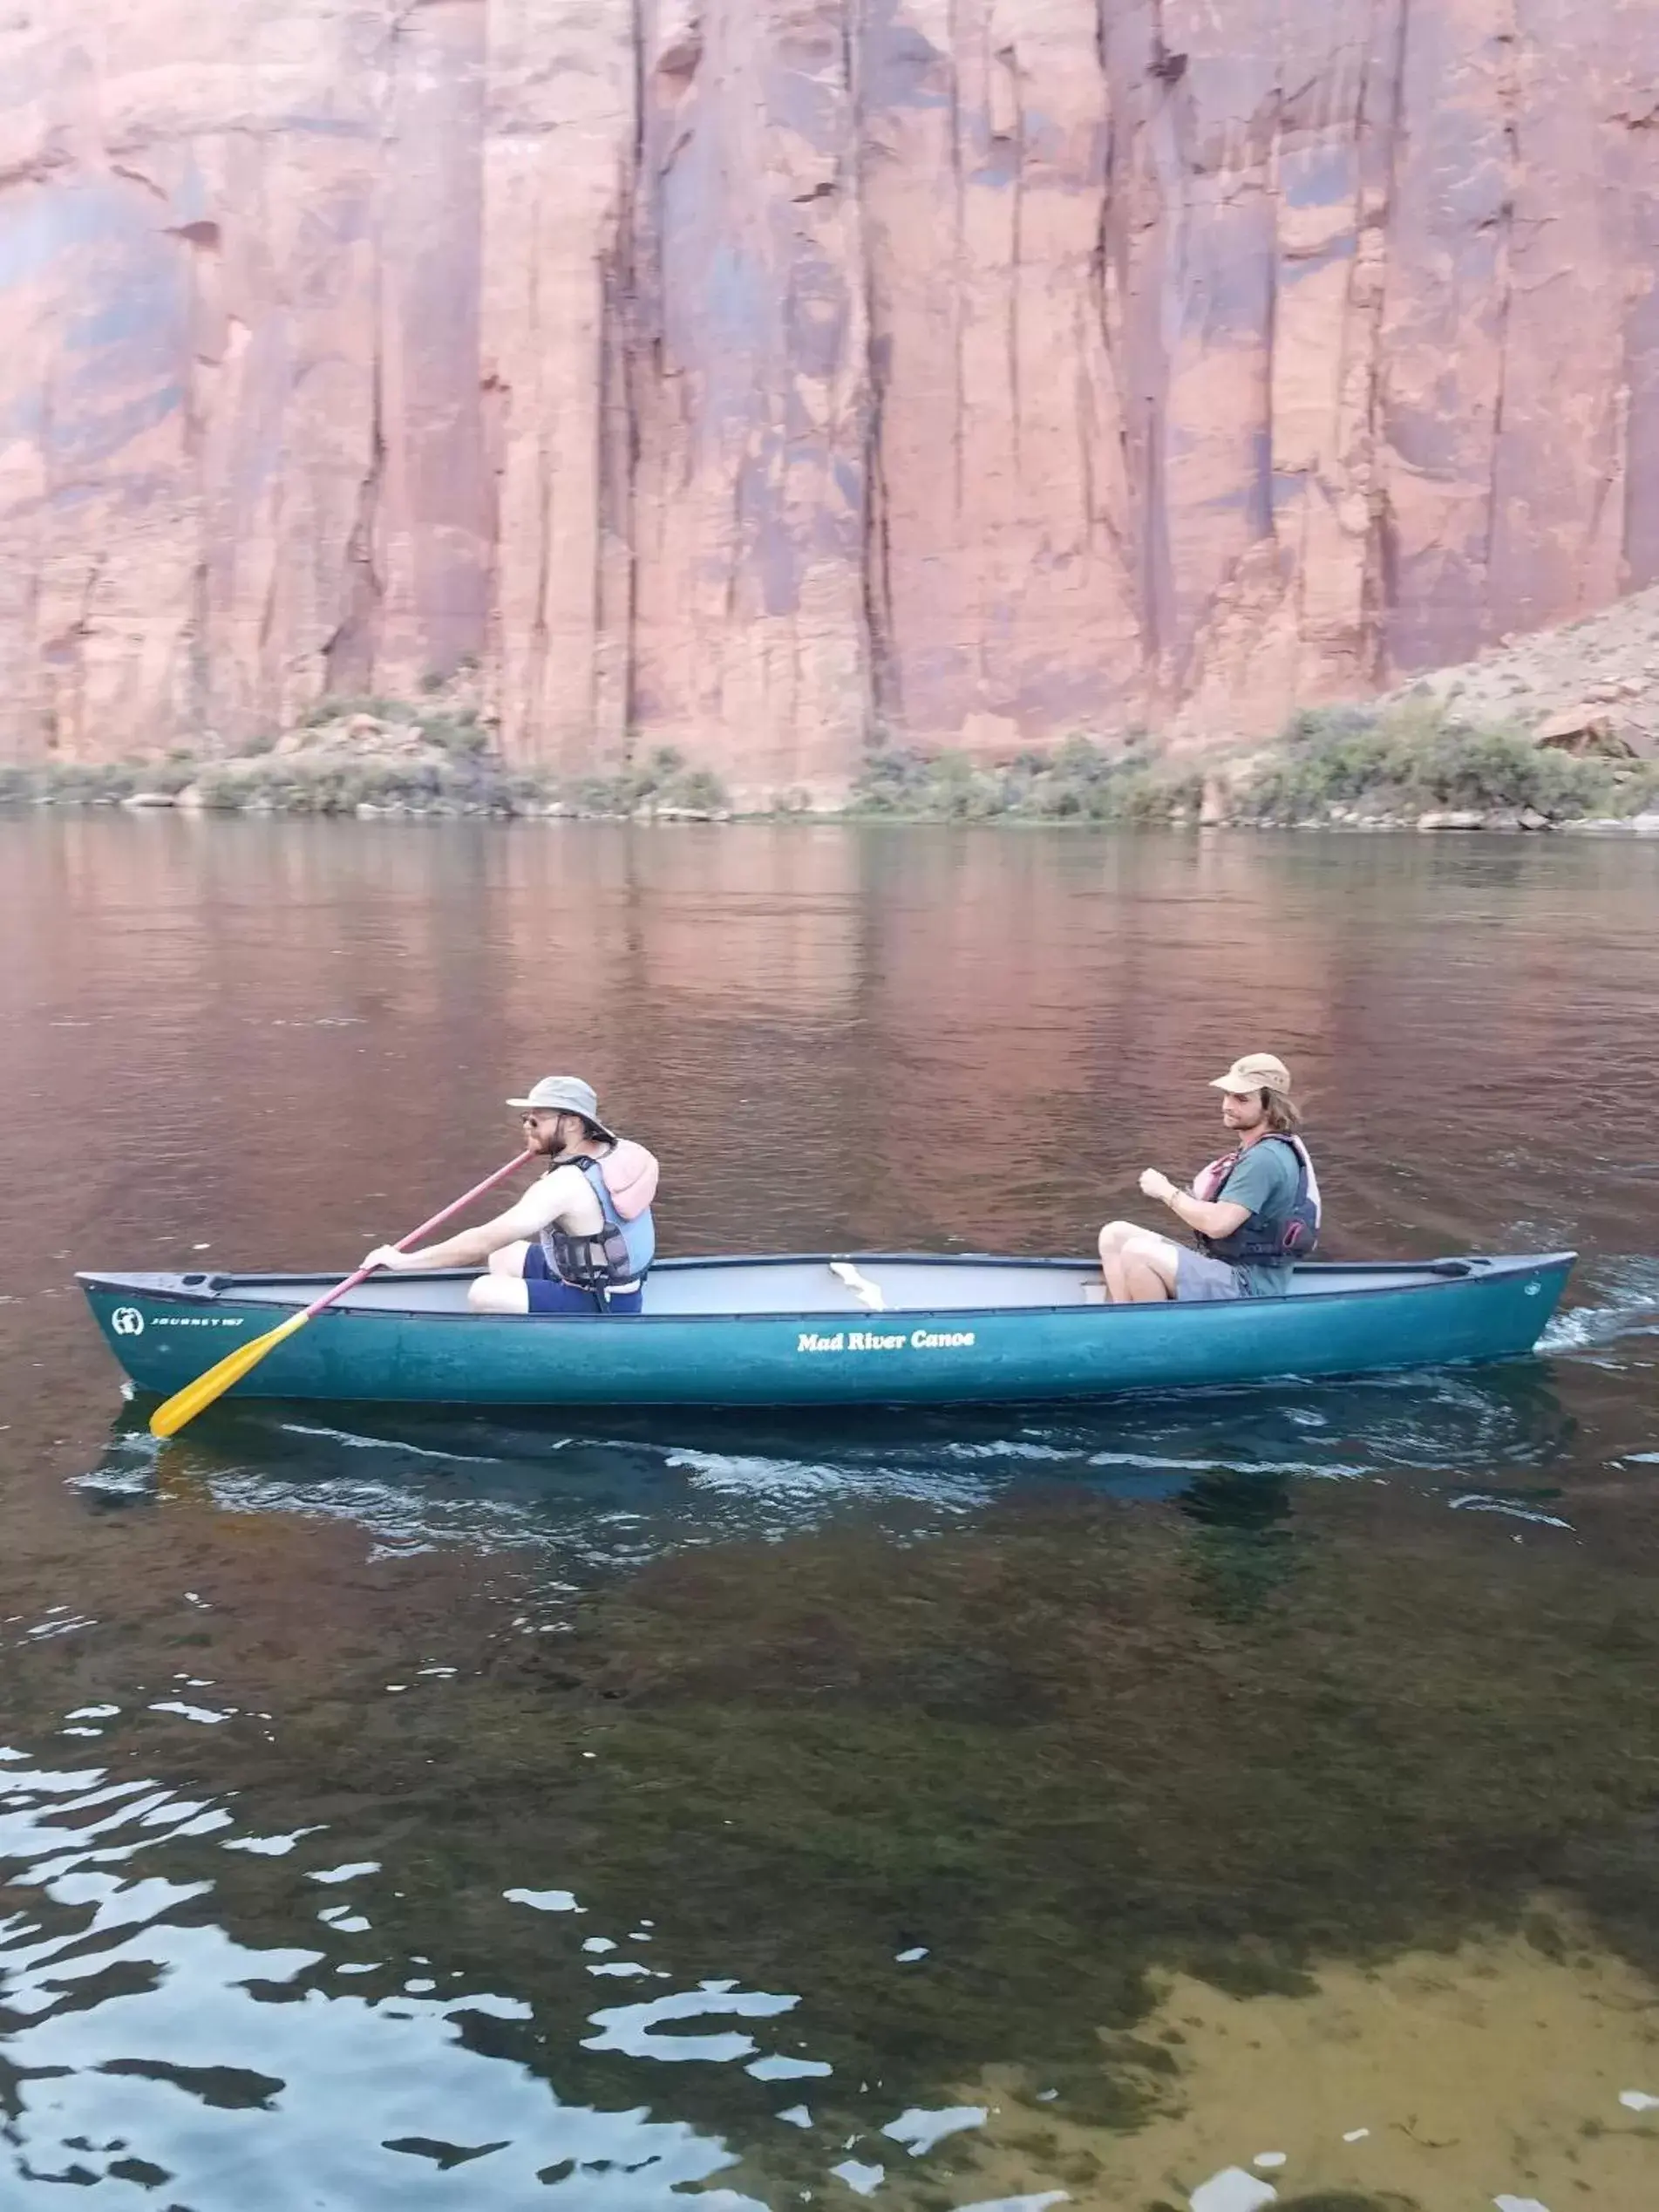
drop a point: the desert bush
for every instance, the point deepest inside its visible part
(173, 774)
(96, 783)
(455, 772)
(318, 783)
(461, 735)
(701, 788)
(1410, 759)
(894, 779)
(336, 709)
(662, 778)
(1081, 781)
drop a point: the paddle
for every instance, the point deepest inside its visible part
(185, 1404)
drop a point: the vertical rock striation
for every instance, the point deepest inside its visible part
(755, 375)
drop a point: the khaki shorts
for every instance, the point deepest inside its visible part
(1198, 1276)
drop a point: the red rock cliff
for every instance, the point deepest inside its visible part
(751, 375)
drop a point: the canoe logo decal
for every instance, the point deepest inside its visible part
(127, 1321)
(872, 1340)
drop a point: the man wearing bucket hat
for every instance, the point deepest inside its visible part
(1252, 1214)
(580, 1240)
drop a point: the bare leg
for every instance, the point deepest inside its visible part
(498, 1294)
(1147, 1277)
(1112, 1266)
(1139, 1265)
(509, 1260)
(1112, 1239)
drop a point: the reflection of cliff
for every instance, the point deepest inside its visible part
(743, 375)
(833, 1037)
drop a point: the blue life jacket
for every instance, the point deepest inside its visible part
(616, 1257)
(1271, 1240)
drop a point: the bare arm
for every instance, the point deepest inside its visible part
(1217, 1217)
(541, 1204)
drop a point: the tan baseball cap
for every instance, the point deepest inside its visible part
(1256, 1072)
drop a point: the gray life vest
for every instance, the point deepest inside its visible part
(617, 1256)
(1270, 1239)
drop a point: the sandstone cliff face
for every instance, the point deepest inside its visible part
(750, 374)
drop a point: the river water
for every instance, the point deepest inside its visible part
(1074, 1804)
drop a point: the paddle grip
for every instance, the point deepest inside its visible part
(425, 1229)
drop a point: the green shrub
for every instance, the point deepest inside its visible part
(527, 791)
(173, 774)
(95, 783)
(461, 735)
(662, 779)
(1409, 760)
(703, 789)
(319, 783)
(894, 781)
(1080, 780)
(336, 710)
(220, 786)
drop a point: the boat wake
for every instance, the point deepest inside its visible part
(128, 1470)
(1629, 1307)
(842, 1481)
(355, 1442)
(600, 1498)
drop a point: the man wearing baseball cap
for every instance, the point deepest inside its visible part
(580, 1240)
(1252, 1214)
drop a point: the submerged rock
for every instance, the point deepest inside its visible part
(1233, 2190)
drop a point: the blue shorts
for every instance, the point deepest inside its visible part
(548, 1295)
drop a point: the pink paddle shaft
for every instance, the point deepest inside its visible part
(425, 1229)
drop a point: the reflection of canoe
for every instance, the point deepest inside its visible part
(892, 1328)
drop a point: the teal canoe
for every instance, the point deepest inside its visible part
(877, 1329)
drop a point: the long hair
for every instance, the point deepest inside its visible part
(1284, 1115)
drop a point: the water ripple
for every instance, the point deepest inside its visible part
(123, 2000)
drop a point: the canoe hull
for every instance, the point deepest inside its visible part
(164, 1334)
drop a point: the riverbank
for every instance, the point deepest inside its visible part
(1406, 765)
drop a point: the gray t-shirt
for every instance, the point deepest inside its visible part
(1265, 1181)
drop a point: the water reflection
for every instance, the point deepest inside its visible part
(372, 2093)
(799, 1831)
(603, 1493)
(468, 1808)
(815, 1027)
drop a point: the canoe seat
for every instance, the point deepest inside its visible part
(867, 1293)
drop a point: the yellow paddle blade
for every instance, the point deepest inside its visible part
(185, 1404)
